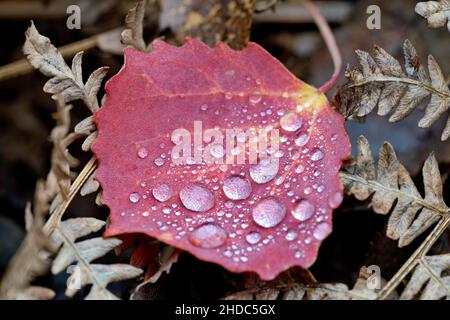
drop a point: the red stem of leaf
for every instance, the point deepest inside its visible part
(330, 41)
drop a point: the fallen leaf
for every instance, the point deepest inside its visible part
(265, 216)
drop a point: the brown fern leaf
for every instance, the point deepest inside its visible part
(430, 279)
(437, 13)
(394, 191)
(60, 174)
(380, 80)
(66, 85)
(31, 259)
(133, 35)
(66, 81)
(82, 253)
(288, 289)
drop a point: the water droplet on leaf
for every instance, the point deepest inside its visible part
(322, 231)
(237, 188)
(303, 211)
(159, 162)
(142, 153)
(291, 235)
(269, 212)
(197, 197)
(162, 192)
(317, 155)
(302, 140)
(253, 237)
(134, 197)
(291, 122)
(208, 236)
(264, 171)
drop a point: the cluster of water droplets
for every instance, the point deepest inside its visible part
(258, 219)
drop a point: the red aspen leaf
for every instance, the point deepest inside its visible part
(255, 217)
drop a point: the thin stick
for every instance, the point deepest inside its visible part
(55, 218)
(330, 41)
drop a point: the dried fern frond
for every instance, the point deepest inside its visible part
(133, 35)
(437, 13)
(66, 84)
(393, 189)
(380, 80)
(82, 253)
(430, 279)
(288, 289)
(66, 81)
(90, 186)
(60, 174)
(31, 259)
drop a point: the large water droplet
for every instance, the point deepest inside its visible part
(302, 140)
(253, 237)
(264, 171)
(237, 188)
(317, 155)
(269, 212)
(322, 231)
(162, 192)
(134, 197)
(142, 153)
(303, 211)
(197, 197)
(208, 236)
(291, 122)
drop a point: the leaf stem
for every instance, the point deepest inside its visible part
(330, 41)
(378, 186)
(407, 81)
(414, 259)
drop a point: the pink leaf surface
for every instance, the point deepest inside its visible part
(256, 217)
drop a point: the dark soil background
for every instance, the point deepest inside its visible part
(358, 238)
